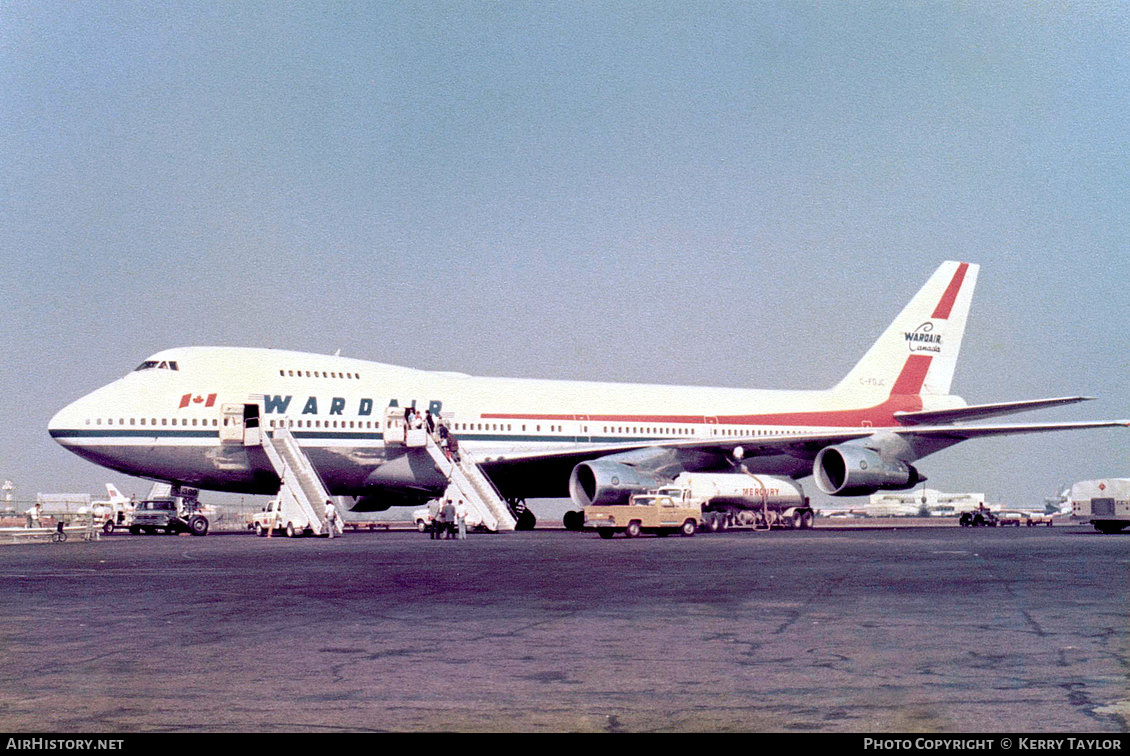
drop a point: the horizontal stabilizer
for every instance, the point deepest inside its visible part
(981, 411)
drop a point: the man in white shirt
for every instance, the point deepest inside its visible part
(461, 519)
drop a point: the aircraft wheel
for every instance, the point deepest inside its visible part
(526, 520)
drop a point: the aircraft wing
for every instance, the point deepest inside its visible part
(543, 474)
(981, 411)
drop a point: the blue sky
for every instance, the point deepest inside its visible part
(735, 194)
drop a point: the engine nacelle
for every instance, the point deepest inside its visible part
(848, 470)
(604, 481)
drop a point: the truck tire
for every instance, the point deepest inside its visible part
(633, 529)
(260, 530)
(689, 528)
(108, 527)
(421, 526)
(290, 531)
(605, 532)
(806, 520)
(198, 525)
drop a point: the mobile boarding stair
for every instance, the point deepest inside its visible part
(465, 480)
(301, 487)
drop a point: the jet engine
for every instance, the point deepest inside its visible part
(606, 481)
(849, 470)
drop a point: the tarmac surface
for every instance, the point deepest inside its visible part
(836, 629)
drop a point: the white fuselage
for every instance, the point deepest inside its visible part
(164, 420)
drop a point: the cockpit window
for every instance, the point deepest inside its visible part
(158, 365)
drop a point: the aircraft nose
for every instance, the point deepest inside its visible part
(64, 422)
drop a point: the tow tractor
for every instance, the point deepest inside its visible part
(163, 513)
(980, 517)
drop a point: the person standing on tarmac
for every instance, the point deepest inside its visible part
(449, 518)
(331, 517)
(439, 526)
(461, 520)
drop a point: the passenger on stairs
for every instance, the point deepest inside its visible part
(443, 439)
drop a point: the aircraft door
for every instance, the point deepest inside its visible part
(584, 434)
(241, 424)
(252, 432)
(231, 424)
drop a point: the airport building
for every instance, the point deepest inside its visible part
(922, 502)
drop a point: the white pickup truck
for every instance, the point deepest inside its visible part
(276, 516)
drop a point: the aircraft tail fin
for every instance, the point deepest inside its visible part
(115, 494)
(917, 354)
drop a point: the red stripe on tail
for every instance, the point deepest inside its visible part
(913, 374)
(945, 304)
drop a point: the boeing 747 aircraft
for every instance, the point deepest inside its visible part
(197, 416)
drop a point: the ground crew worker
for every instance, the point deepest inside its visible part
(331, 517)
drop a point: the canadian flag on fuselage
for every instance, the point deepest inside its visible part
(917, 354)
(188, 399)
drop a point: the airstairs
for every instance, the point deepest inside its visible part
(464, 478)
(301, 488)
(467, 482)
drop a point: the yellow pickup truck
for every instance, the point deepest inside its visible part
(644, 513)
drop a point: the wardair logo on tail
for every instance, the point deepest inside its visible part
(923, 339)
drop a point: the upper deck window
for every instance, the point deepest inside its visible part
(158, 365)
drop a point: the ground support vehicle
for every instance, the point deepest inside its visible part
(645, 513)
(741, 500)
(268, 519)
(116, 517)
(1028, 519)
(283, 515)
(1104, 503)
(164, 514)
(977, 518)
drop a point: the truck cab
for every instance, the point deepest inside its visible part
(267, 519)
(654, 512)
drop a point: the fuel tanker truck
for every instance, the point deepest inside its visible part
(726, 501)
(736, 500)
